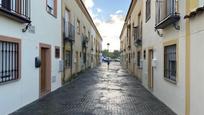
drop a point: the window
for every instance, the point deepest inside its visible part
(144, 54)
(57, 52)
(138, 58)
(84, 30)
(9, 61)
(52, 7)
(170, 62)
(140, 25)
(166, 13)
(66, 23)
(68, 58)
(129, 34)
(129, 58)
(89, 35)
(84, 57)
(78, 26)
(148, 10)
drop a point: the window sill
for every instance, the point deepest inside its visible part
(12, 81)
(14, 16)
(170, 81)
(51, 14)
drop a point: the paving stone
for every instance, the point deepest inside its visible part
(99, 91)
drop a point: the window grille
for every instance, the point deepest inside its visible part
(138, 58)
(170, 62)
(9, 61)
(57, 52)
(68, 59)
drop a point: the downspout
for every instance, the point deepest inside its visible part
(187, 69)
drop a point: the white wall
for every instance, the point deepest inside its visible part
(48, 30)
(173, 95)
(197, 65)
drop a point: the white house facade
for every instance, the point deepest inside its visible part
(30, 46)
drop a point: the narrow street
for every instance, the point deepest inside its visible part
(100, 91)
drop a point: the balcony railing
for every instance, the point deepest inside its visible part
(69, 31)
(138, 35)
(85, 41)
(18, 10)
(166, 13)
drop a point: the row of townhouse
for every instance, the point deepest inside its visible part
(42, 44)
(161, 44)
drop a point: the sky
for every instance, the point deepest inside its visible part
(108, 16)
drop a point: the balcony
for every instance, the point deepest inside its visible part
(138, 35)
(68, 31)
(18, 10)
(166, 13)
(85, 41)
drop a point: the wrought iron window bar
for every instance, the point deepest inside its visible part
(9, 61)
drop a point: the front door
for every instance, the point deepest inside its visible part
(150, 69)
(45, 70)
(77, 62)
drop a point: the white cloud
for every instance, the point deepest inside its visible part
(98, 10)
(109, 29)
(119, 12)
(89, 3)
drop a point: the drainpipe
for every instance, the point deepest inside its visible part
(188, 54)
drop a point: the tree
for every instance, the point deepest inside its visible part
(116, 54)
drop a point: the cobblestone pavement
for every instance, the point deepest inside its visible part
(99, 92)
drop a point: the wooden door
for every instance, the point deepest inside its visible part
(150, 69)
(45, 71)
(77, 62)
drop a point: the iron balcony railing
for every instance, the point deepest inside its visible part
(16, 9)
(85, 41)
(138, 35)
(166, 13)
(69, 31)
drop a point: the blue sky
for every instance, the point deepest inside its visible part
(108, 16)
(110, 6)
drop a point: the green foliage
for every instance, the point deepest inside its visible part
(114, 55)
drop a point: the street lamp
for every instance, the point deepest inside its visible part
(108, 44)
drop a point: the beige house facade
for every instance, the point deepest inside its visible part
(170, 61)
(80, 38)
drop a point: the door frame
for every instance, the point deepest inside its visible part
(48, 47)
(150, 69)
